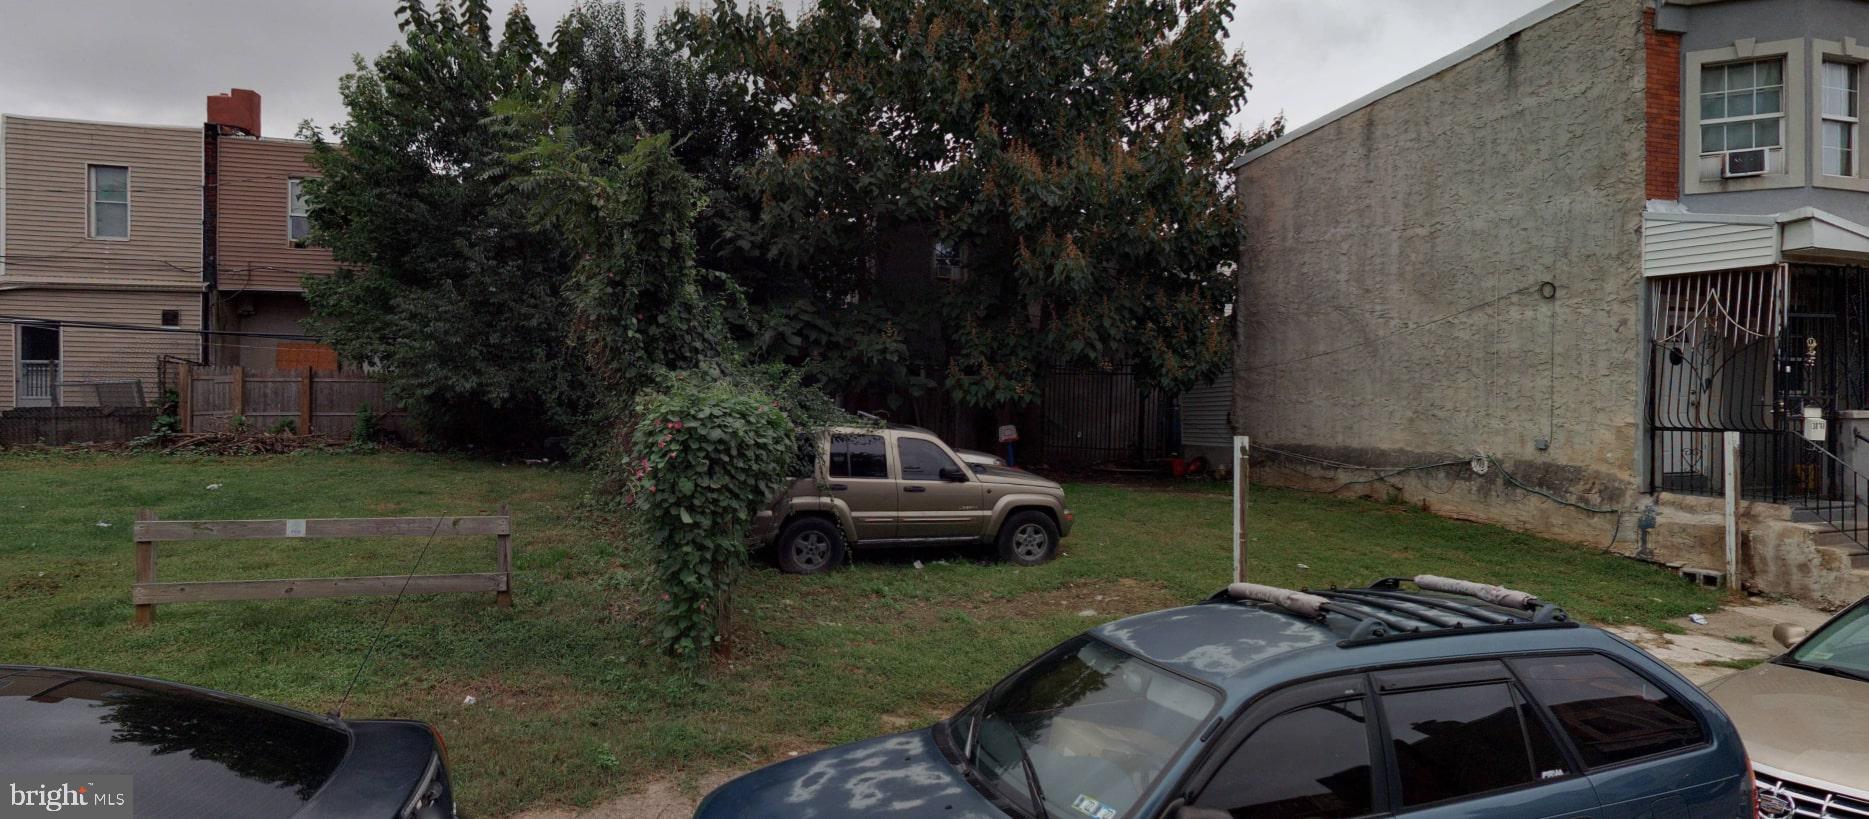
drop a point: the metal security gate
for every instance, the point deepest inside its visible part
(1749, 351)
(1713, 341)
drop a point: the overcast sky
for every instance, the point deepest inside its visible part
(155, 60)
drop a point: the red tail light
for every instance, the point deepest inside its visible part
(442, 746)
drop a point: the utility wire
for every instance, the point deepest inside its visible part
(134, 189)
(1384, 473)
(338, 712)
(33, 321)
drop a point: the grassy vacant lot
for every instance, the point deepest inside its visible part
(572, 706)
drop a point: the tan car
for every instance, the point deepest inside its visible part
(902, 486)
(1804, 717)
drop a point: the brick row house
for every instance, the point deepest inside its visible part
(122, 244)
(1547, 274)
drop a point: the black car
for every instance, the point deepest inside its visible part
(195, 753)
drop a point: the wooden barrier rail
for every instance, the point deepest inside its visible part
(150, 530)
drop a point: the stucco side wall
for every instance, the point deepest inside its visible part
(1390, 305)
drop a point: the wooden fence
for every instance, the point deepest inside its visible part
(55, 426)
(317, 403)
(147, 593)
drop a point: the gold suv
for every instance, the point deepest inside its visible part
(902, 486)
(1804, 717)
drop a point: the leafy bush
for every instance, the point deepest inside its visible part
(364, 430)
(707, 453)
(169, 417)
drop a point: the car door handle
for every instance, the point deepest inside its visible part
(914, 488)
(838, 487)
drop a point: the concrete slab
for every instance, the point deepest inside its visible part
(1733, 636)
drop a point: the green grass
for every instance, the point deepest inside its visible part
(572, 706)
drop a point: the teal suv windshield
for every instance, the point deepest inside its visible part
(1088, 727)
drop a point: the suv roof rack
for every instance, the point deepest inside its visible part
(1384, 611)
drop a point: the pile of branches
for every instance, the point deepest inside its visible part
(240, 443)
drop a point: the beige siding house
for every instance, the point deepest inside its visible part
(100, 225)
(262, 256)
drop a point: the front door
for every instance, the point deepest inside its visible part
(37, 369)
(932, 506)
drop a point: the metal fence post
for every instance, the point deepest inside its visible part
(1242, 489)
(185, 397)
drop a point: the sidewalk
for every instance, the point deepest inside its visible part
(1734, 637)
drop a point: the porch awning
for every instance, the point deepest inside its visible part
(1676, 243)
(1809, 234)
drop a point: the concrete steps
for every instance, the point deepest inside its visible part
(1828, 535)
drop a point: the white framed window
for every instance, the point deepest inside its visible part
(1841, 93)
(298, 222)
(109, 187)
(1742, 106)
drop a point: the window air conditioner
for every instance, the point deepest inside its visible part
(1738, 164)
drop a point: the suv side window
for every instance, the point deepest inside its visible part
(1312, 762)
(1610, 712)
(859, 456)
(1466, 740)
(922, 460)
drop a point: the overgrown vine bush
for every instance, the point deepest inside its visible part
(708, 454)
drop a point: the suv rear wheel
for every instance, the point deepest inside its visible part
(810, 546)
(1028, 539)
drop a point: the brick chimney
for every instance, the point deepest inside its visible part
(238, 109)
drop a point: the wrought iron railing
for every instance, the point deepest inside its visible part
(38, 383)
(1835, 492)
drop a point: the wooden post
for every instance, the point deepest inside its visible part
(145, 573)
(185, 397)
(504, 546)
(1242, 490)
(238, 393)
(1732, 509)
(305, 403)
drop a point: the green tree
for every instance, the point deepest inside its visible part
(1075, 149)
(445, 282)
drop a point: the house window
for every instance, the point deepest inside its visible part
(1742, 106)
(949, 261)
(298, 226)
(110, 202)
(1842, 82)
(171, 318)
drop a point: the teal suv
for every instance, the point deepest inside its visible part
(1447, 699)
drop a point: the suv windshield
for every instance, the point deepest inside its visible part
(1841, 646)
(1095, 725)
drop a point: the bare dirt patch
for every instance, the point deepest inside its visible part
(661, 799)
(1103, 599)
(536, 693)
